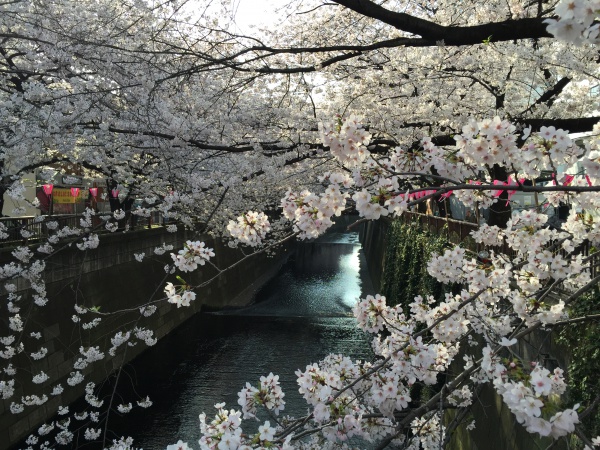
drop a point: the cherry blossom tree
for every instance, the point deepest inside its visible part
(348, 105)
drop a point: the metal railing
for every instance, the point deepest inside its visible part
(458, 230)
(30, 229)
(437, 224)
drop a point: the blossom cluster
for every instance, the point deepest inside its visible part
(250, 229)
(225, 432)
(529, 397)
(194, 254)
(312, 213)
(268, 394)
(346, 139)
(181, 296)
(576, 21)
(372, 206)
(429, 431)
(370, 312)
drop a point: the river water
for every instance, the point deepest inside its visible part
(297, 318)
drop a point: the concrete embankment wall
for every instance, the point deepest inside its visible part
(110, 279)
(496, 427)
(373, 239)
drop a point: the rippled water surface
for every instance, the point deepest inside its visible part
(299, 317)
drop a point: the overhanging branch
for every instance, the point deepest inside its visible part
(508, 30)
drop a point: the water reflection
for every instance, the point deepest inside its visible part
(320, 280)
(298, 318)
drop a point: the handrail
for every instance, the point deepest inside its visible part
(25, 230)
(462, 229)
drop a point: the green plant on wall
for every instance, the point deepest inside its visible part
(409, 247)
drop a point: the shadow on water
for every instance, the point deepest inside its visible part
(298, 318)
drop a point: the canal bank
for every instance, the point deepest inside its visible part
(298, 317)
(110, 279)
(496, 427)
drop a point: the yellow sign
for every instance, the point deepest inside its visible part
(61, 195)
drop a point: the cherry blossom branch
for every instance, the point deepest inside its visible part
(569, 300)
(583, 437)
(458, 419)
(550, 95)
(590, 408)
(432, 33)
(430, 405)
(577, 320)
(240, 261)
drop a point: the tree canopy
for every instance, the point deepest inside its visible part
(352, 104)
(167, 95)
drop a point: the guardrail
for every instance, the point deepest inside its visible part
(29, 229)
(459, 230)
(436, 223)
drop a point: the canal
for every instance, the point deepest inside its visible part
(299, 317)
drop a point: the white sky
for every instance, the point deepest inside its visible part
(255, 12)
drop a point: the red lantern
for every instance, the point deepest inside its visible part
(75, 192)
(94, 191)
(48, 189)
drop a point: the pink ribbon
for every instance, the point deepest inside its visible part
(419, 194)
(445, 195)
(568, 179)
(509, 182)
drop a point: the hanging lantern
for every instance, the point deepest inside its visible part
(74, 192)
(48, 189)
(94, 191)
(115, 193)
